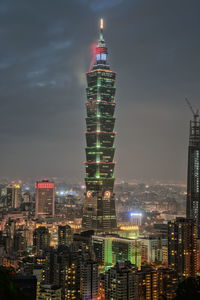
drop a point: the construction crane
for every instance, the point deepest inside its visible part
(195, 114)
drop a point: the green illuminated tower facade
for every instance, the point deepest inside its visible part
(99, 204)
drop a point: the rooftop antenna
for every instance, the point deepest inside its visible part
(195, 114)
(101, 24)
(101, 42)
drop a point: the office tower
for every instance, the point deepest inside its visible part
(89, 280)
(182, 246)
(99, 204)
(64, 235)
(14, 195)
(45, 199)
(41, 238)
(120, 282)
(193, 173)
(111, 249)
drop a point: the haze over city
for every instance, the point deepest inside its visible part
(100, 150)
(45, 51)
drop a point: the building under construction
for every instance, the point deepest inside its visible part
(193, 174)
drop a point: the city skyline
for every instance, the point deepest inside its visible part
(131, 232)
(42, 94)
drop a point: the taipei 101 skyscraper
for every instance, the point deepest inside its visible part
(99, 203)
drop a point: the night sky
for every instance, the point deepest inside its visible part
(45, 50)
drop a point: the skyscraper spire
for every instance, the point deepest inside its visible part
(99, 203)
(101, 51)
(101, 24)
(101, 42)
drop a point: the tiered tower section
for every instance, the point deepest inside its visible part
(99, 205)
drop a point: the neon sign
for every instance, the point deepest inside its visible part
(107, 194)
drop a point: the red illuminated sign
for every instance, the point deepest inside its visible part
(101, 50)
(44, 185)
(107, 194)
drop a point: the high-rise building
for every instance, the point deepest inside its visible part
(152, 283)
(193, 174)
(55, 265)
(26, 197)
(182, 246)
(99, 204)
(64, 235)
(126, 281)
(19, 243)
(72, 279)
(45, 199)
(41, 238)
(50, 266)
(89, 279)
(153, 248)
(14, 195)
(120, 282)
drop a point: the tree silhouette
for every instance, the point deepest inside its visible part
(188, 289)
(8, 290)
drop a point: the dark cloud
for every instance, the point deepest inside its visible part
(45, 51)
(97, 5)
